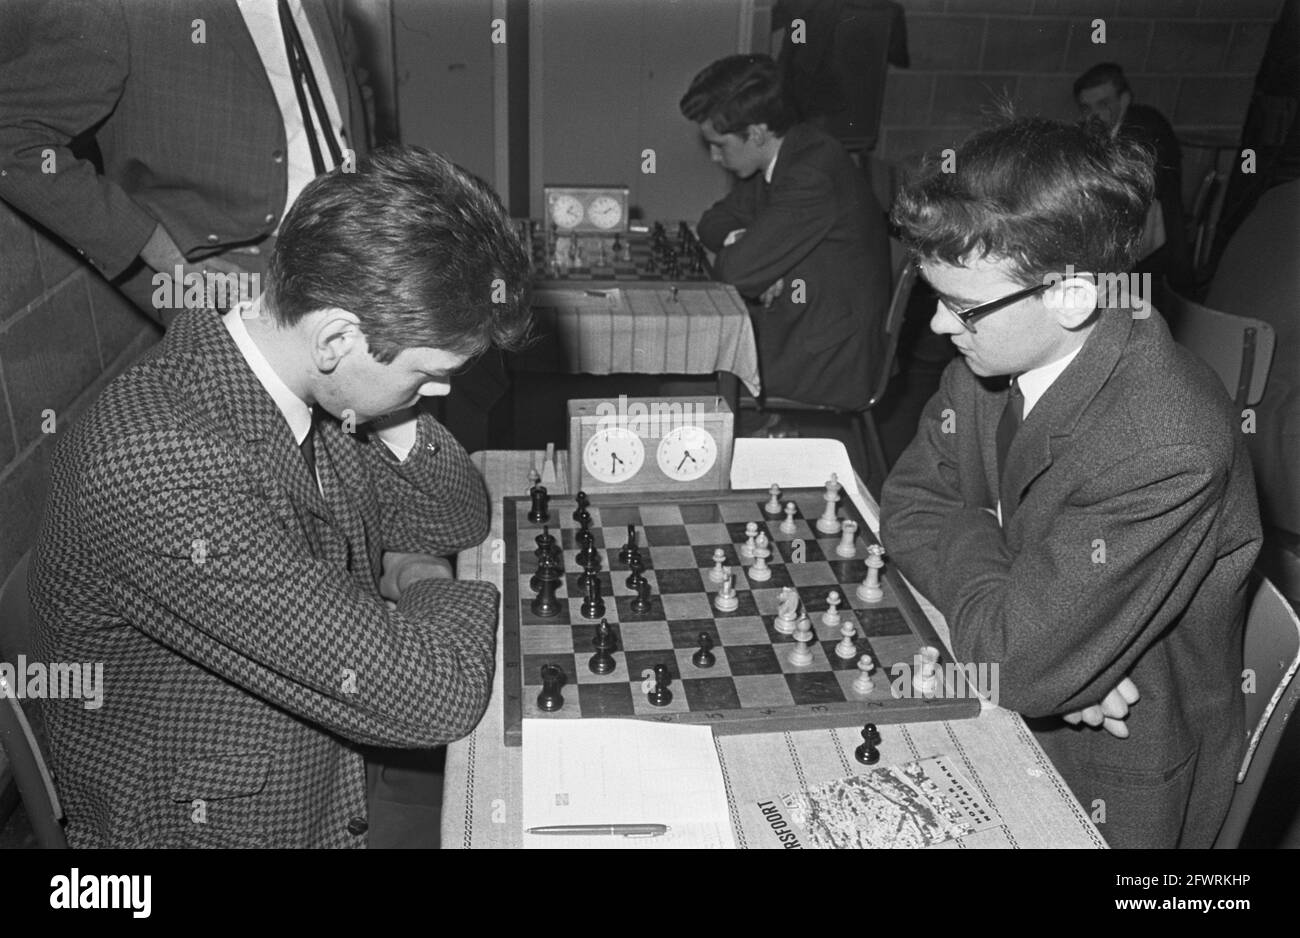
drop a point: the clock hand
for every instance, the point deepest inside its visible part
(686, 457)
(613, 459)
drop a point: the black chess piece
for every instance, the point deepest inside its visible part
(593, 607)
(582, 503)
(602, 662)
(590, 573)
(641, 604)
(704, 658)
(625, 555)
(550, 698)
(660, 695)
(635, 578)
(586, 554)
(545, 544)
(867, 753)
(548, 568)
(545, 605)
(539, 514)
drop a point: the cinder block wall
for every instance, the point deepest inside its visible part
(1194, 60)
(64, 333)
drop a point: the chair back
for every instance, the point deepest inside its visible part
(1238, 348)
(20, 725)
(903, 279)
(1272, 656)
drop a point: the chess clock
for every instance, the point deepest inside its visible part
(650, 444)
(587, 209)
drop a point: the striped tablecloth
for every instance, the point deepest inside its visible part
(1030, 805)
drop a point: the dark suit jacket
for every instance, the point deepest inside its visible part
(190, 133)
(1134, 451)
(818, 224)
(1148, 126)
(246, 650)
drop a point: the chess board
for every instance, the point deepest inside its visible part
(752, 687)
(616, 267)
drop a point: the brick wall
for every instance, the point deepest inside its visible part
(64, 333)
(1194, 60)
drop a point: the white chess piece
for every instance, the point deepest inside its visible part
(870, 591)
(751, 534)
(802, 654)
(829, 522)
(727, 600)
(773, 506)
(832, 615)
(926, 679)
(787, 611)
(760, 571)
(788, 526)
(847, 648)
(719, 571)
(847, 547)
(863, 684)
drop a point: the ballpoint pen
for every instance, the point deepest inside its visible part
(617, 830)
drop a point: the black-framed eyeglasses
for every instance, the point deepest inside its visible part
(970, 314)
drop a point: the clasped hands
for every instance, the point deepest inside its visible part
(400, 570)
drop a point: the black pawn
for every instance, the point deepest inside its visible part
(641, 605)
(550, 698)
(540, 513)
(545, 605)
(593, 607)
(704, 658)
(581, 499)
(660, 695)
(602, 662)
(635, 579)
(867, 753)
(630, 548)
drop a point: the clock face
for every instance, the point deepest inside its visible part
(566, 211)
(605, 212)
(687, 453)
(613, 455)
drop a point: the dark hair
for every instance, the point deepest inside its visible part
(421, 251)
(1040, 193)
(1100, 75)
(737, 91)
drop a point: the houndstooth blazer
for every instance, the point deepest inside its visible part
(246, 650)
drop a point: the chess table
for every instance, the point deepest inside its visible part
(1029, 804)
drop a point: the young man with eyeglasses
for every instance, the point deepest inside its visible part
(1078, 501)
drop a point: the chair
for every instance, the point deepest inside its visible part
(864, 421)
(1238, 348)
(1272, 653)
(20, 739)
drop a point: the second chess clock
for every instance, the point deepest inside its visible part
(645, 444)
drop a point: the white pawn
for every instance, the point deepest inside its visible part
(719, 571)
(727, 600)
(534, 477)
(788, 525)
(847, 547)
(787, 611)
(926, 681)
(773, 506)
(847, 648)
(751, 533)
(760, 571)
(829, 522)
(870, 591)
(863, 683)
(832, 616)
(803, 636)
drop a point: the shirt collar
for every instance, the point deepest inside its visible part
(1035, 382)
(295, 411)
(771, 167)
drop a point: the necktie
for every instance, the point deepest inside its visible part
(302, 74)
(308, 447)
(1012, 416)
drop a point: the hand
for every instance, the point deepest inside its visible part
(161, 253)
(1111, 712)
(771, 294)
(401, 570)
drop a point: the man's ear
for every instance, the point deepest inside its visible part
(757, 134)
(1125, 99)
(1071, 300)
(333, 337)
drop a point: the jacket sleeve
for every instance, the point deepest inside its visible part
(800, 213)
(200, 561)
(732, 211)
(63, 64)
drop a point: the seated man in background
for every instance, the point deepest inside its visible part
(227, 521)
(1105, 542)
(1102, 92)
(800, 232)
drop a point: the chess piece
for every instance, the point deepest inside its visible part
(802, 655)
(847, 649)
(867, 753)
(545, 544)
(641, 605)
(625, 555)
(788, 526)
(602, 662)
(847, 547)
(926, 680)
(582, 503)
(863, 684)
(587, 554)
(787, 611)
(545, 605)
(727, 600)
(534, 478)
(773, 506)
(704, 658)
(829, 522)
(636, 578)
(719, 571)
(751, 536)
(660, 695)
(593, 606)
(539, 513)
(550, 699)
(832, 615)
(548, 568)
(760, 572)
(870, 591)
